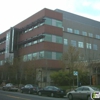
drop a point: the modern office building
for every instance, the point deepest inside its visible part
(46, 35)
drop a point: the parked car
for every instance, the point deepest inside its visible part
(52, 91)
(29, 88)
(9, 87)
(83, 93)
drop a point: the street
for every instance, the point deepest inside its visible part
(6, 95)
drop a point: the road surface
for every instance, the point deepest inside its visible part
(6, 95)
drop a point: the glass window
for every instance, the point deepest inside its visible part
(48, 37)
(28, 44)
(35, 26)
(48, 55)
(34, 55)
(95, 47)
(98, 36)
(58, 39)
(25, 45)
(76, 31)
(41, 55)
(90, 35)
(86, 89)
(30, 29)
(58, 55)
(54, 55)
(29, 56)
(26, 31)
(95, 88)
(70, 30)
(79, 89)
(35, 42)
(63, 28)
(88, 45)
(80, 45)
(48, 21)
(65, 41)
(73, 43)
(84, 33)
(41, 24)
(53, 22)
(25, 58)
(53, 38)
(41, 40)
(59, 24)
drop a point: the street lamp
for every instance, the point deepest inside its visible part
(41, 76)
(69, 77)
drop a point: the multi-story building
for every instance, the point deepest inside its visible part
(46, 35)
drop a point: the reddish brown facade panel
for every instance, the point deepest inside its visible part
(45, 46)
(54, 15)
(42, 29)
(2, 57)
(49, 46)
(3, 35)
(31, 49)
(32, 33)
(54, 64)
(53, 30)
(2, 45)
(47, 64)
(38, 15)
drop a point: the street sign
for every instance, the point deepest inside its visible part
(75, 73)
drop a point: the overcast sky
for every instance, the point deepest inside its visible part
(15, 11)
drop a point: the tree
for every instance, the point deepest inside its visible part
(19, 72)
(60, 77)
(70, 62)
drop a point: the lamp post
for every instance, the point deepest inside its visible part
(41, 76)
(69, 77)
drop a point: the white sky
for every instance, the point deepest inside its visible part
(15, 11)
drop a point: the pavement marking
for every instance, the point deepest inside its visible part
(17, 97)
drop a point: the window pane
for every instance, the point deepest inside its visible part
(59, 24)
(41, 40)
(95, 47)
(48, 21)
(54, 55)
(98, 36)
(53, 22)
(63, 28)
(48, 37)
(58, 39)
(69, 30)
(41, 55)
(28, 44)
(88, 46)
(34, 42)
(53, 38)
(34, 55)
(73, 43)
(29, 56)
(65, 41)
(80, 45)
(84, 33)
(90, 35)
(58, 55)
(25, 58)
(48, 55)
(76, 31)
